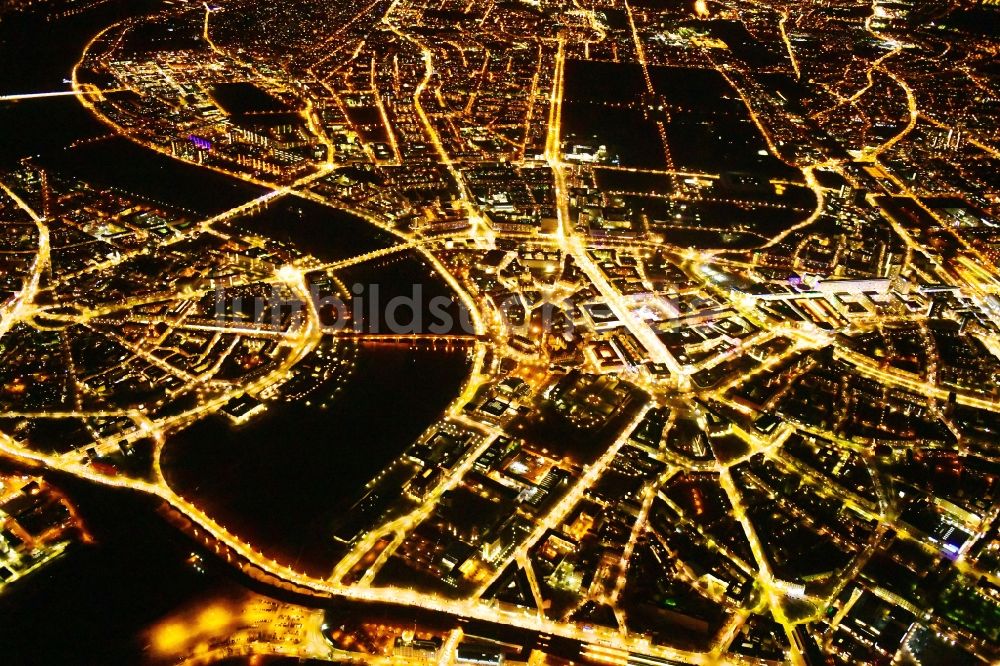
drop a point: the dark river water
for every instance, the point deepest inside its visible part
(284, 480)
(281, 480)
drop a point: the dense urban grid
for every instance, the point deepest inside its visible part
(725, 274)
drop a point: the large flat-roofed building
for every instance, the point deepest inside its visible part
(877, 285)
(477, 654)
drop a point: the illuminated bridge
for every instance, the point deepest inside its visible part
(88, 91)
(433, 339)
